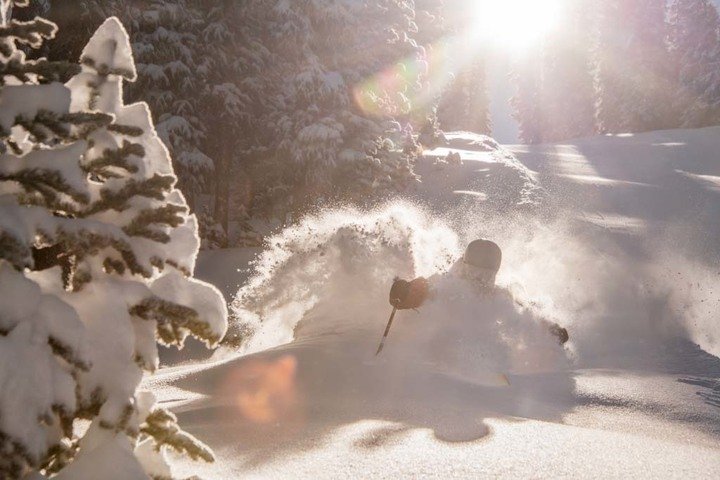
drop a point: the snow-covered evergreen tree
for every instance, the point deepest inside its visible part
(192, 88)
(167, 42)
(568, 96)
(695, 40)
(254, 98)
(527, 100)
(329, 144)
(240, 96)
(465, 104)
(431, 22)
(96, 260)
(433, 34)
(634, 73)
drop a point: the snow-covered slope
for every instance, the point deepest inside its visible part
(610, 237)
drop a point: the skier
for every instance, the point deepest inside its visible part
(479, 267)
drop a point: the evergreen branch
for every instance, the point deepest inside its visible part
(94, 94)
(127, 130)
(180, 268)
(112, 265)
(44, 123)
(169, 215)
(56, 205)
(82, 243)
(60, 455)
(116, 158)
(31, 33)
(104, 70)
(122, 421)
(46, 182)
(68, 354)
(88, 122)
(162, 426)
(89, 408)
(46, 71)
(15, 251)
(66, 418)
(172, 319)
(154, 187)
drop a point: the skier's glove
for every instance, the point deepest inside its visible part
(406, 295)
(560, 333)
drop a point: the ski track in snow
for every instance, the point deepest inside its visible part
(612, 237)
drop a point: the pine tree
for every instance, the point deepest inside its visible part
(433, 35)
(191, 88)
(339, 146)
(634, 75)
(264, 122)
(165, 39)
(527, 101)
(238, 94)
(97, 256)
(430, 18)
(167, 42)
(568, 97)
(695, 40)
(465, 104)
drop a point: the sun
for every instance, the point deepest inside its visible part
(515, 24)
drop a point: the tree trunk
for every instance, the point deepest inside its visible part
(222, 190)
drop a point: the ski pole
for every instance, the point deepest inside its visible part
(387, 330)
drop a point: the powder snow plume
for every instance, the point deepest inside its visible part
(331, 274)
(339, 260)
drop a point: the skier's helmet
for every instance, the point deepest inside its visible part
(481, 261)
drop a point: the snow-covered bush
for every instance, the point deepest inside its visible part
(97, 252)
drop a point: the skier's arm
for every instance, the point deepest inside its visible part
(560, 333)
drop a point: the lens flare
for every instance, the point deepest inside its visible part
(410, 85)
(266, 391)
(388, 92)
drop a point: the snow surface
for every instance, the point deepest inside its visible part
(614, 238)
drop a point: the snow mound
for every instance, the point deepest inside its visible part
(481, 176)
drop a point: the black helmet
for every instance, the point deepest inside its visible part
(483, 254)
